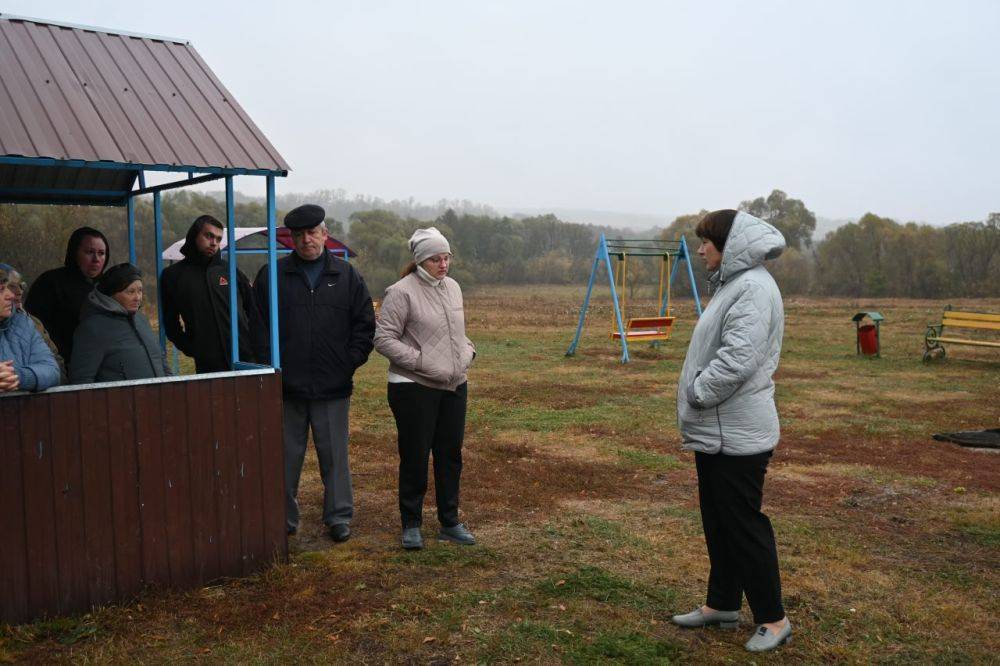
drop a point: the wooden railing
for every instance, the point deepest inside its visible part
(110, 488)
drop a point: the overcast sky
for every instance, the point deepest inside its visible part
(639, 107)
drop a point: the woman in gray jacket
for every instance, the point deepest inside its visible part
(421, 330)
(114, 340)
(727, 416)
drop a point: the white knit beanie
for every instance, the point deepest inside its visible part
(428, 242)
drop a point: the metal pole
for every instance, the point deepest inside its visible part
(614, 300)
(586, 303)
(234, 321)
(131, 229)
(686, 256)
(158, 240)
(272, 275)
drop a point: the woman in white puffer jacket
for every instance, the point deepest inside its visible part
(727, 416)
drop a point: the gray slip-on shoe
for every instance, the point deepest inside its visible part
(412, 539)
(695, 619)
(457, 534)
(763, 640)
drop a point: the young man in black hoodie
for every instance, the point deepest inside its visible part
(195, 293)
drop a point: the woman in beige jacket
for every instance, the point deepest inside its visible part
(421, 330)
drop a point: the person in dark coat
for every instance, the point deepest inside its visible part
(114, 341)
(195, 297)
(58, 294)
(326, 332)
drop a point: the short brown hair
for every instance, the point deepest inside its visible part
(715, 227)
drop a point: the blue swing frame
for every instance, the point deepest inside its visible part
(603, 254)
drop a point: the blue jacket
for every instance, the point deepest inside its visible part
(34, 363)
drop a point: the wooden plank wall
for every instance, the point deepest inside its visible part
(107, 491)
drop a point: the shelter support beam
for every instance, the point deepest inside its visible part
(158, 232)
(234, 326)
(130, 215)
(272, 274)
(177, 183)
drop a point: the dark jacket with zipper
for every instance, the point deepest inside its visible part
(112, 345)
(196, 290)
(326, 332)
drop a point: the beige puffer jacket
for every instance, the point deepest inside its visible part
(421, 330)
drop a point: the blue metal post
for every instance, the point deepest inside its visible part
(234, 322)
(602, 254)
(158, 240)
(690, 269)
(586, 304)
(272, 274)
(131, 230)
(614, 299)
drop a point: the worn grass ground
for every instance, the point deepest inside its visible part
(586, 512)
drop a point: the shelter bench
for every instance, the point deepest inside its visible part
(963, 321)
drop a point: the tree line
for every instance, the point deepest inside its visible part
(874, 256)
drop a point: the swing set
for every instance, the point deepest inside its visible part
(651, 328)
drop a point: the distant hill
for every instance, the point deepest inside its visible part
(602, 218)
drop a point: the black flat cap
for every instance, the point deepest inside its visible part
(305, 216)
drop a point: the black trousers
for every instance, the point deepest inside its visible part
(429, 420)
(739, 536)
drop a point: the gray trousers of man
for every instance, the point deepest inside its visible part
(328, 419)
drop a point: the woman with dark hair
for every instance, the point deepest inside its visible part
(421, 330)
(114, 341)
(58, 294)
(727, 416)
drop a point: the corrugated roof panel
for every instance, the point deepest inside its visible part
(142, 138)
(76, 93)
(255, 142)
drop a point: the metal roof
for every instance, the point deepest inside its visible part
(113, 99)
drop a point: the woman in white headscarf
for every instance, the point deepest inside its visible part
(421, 330)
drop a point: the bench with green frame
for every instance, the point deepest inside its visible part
(935, 338)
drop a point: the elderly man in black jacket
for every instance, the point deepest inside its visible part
(195, 297)
(326, 331)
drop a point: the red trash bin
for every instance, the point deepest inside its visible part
(868, 339)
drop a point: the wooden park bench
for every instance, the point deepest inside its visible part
(963, 321)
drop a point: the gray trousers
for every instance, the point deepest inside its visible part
(328, 419)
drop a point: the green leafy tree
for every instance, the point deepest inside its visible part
(790, 216)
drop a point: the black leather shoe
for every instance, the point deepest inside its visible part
(340, 532)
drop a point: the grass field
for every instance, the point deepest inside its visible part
(586, 512)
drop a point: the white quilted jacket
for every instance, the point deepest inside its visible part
(725, 395)
(421, 330)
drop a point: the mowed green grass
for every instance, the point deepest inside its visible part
(586, 512)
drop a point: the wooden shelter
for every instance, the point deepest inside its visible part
(109, 488)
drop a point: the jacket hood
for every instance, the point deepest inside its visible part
(751, 241)
(74, 244)
(190, 247)
(98, 303)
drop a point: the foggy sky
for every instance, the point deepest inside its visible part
(640, 107)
